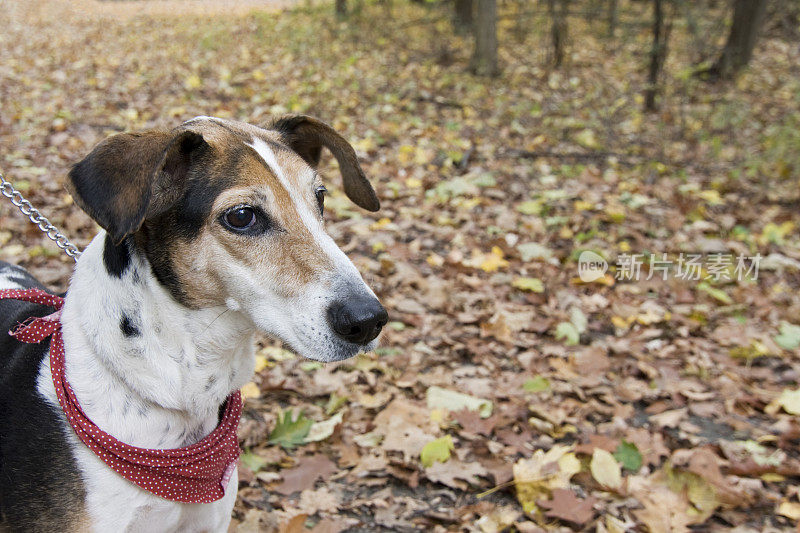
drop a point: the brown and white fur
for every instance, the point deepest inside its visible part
(161, 311)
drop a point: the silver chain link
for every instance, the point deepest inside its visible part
(25, 207)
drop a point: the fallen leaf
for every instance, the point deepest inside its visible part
(290, 430)
(528, 284)
(297, 524)
(305, 474)
(322, 430)
(789, 509)
(437, 450)
(314, 501)
(628, 456)
(789, 336)
(566, 506)
(250, 390)
(790, 401)
(568, 332)
(439, 398)
(455, 473)
(472, 422)
(537, 384)
(536, 477)
(605, 469)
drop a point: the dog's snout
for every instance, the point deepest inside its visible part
(358, 319)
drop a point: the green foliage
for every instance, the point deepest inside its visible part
(290, 431)
(628, 456)
(568, 332)
(537, 384)
(253, 461)
(789, 336)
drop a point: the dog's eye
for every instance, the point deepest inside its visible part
(240, 218)
(320, 192)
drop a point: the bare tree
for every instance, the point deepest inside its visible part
(463, 15)
(558, 30)
(612, 17)
(658, 53)
(748, 17)
(484, 58)
(341, 8)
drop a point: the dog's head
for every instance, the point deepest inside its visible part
(230, 214)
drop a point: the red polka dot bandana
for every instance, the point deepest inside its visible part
(195, 474)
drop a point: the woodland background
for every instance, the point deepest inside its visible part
(504, 138)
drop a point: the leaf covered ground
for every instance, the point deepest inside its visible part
(506, 393)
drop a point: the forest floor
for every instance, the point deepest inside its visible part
(618, 404)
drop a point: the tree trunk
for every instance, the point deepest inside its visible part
(658, 54)
(748, 17)
(341, 8)
(612, 18)
(484, 59)
(462, 16)
(558, 31)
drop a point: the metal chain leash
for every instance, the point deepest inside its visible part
(25, 207)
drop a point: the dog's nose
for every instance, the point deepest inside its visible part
(358, 320)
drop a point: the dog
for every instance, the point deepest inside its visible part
(210, 232)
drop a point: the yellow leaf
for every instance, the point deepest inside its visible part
(790, 401)
(380, 224)
(365, 145)
(620, 322)
(711, 196)
(259, 75)
(193, 82)
(406, 154)
(250, 390)
(261, 363)
(413, 183)
(535, 478)
(587, 139)
(435, 260)
(437, 450)
(605, 469)
(487, 262)
(528, 284)
(789, 510)
(569, 464)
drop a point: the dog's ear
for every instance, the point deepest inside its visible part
(131, 176)
(307, 135)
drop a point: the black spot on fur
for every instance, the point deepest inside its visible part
(116, 258)
(41, 488)
(127, 327)
(185, 220)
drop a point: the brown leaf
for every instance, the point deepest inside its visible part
(297, 524)
(306, 473)
(472, 422)
(330, 526)
(566, 506)
(597, 441)
(453, 473)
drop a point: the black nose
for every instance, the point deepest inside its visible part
(358, 319)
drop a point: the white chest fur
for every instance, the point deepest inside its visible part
(159, 388)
